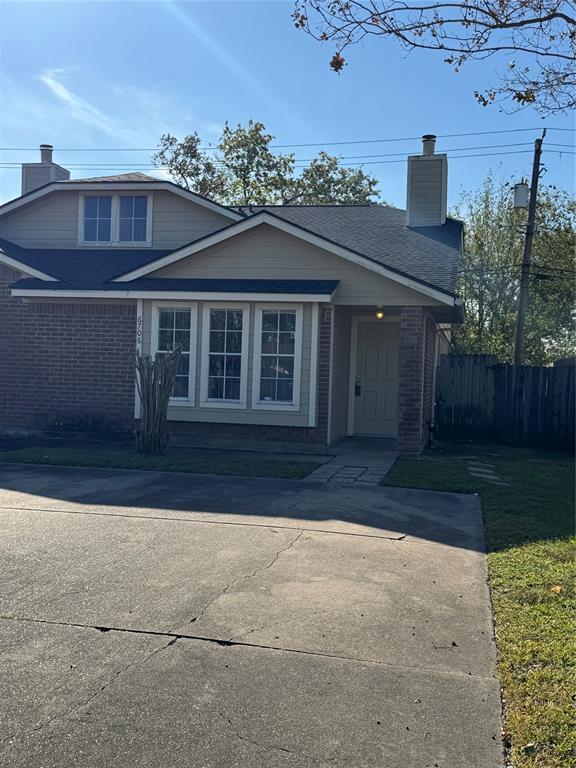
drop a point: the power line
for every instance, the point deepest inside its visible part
(286, 146)
(310, 159)
(141, 166)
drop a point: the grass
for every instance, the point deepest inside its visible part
(532, 565)
(178, 461)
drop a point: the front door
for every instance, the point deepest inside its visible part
(376, 383)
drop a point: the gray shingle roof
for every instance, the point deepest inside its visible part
(427, 254)
(136, 176)
(379, 232)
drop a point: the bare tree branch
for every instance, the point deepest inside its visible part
(541, 32)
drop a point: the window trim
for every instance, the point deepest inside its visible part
(189, 401)
(205, 402)
(267, 405)
(115, 220)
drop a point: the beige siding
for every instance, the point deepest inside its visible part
(52, 222)
(268, 253)
(177, 221)
(249, 415)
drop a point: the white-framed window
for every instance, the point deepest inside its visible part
(225, 330)
(115, 219)
(98, 218)
(176, 324)
(277, 357)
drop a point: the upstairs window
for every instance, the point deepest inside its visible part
(121, 219)
(133, 218)
(98, 219)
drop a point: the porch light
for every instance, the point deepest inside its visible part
(379, 315)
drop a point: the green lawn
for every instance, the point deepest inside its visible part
(532, 565)
(179, 460)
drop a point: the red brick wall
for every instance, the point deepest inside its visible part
(417, 331)
(429, 349)
(64, 361)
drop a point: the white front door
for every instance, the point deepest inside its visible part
(376, 382)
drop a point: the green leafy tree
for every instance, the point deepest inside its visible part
(243, 170)
(190, 167)
(489, 274)
(324, 181)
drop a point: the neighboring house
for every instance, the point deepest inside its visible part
(297, 323)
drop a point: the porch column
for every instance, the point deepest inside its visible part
(411, 431)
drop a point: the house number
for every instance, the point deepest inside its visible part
(139, 331)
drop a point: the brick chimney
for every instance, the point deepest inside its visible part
(427, 187)
(35, 175)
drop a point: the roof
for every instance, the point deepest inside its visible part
(136, 176)
(189, 285)
(82, 264)
(379, 232)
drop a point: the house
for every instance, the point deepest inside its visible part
(300, 324)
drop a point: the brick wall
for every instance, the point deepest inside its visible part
(429, 361)
(416, 374)
(64, 361)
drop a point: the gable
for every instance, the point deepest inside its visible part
(51, 221)
(268, 253)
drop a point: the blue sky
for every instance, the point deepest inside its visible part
(101, 75)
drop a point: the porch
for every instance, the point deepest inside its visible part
(383, 364)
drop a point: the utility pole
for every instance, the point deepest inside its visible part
(526, 259)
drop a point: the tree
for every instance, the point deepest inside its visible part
(190, 167)
(243, 170)
(539, 34)
(155, 379)
(489, 274)
(324, 181)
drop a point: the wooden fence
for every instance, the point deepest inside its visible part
(479, 398)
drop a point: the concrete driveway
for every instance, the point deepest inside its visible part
(150, 619)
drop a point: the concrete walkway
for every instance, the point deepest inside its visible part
(358, 461)
(154, 619)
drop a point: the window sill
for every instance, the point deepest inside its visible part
(223, 404)
(180, 401)
(114, 244)
(275, 406)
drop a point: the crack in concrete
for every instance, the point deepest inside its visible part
(204, 521)
(231, 643)
(273, 747)
(82, 704)
(247, 576)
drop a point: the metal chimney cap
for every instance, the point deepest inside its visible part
(46, 153)
(428, 143)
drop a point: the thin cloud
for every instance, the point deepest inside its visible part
(87, 114)
(232, 63)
